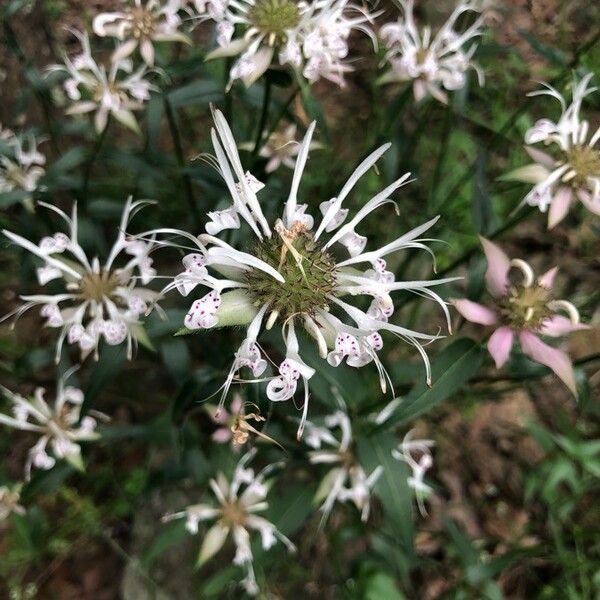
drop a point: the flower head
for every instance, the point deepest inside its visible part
(116, 90)
(99, 301)
(60, 427)
(572, 168)
(9, 501)
(526, 309)
(238, 501)
(433, 62)
(139, 26)
(311, 37)
(347, 480)
(22, 169)
(295, 275)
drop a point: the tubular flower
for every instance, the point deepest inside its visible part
(238, 502)
(526, 310)
(9, 501)
(572, 170)
(99, 301)
(139, 26)
(60, 427)
(292, 275)
(117, 91)
(433, 63)
(22, 170)
(311, 37)
(407, 452)
(347, 479)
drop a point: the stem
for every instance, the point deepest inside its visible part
(90, 165)
(263, 117)
(281, 113)
(185, 178)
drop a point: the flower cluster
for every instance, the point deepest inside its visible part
(116, 91)
(99, 301)
(527, 310)
(347, 480)
(309, 36)
(238, 502)
(433, 63)
(572, 170)
(21, 168)
(292, 275)
(60, 427)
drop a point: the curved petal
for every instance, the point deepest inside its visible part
(500, 344)
(558, 326)
(551, 357)
(496, 276)
(474, 312)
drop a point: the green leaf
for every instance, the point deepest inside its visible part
(110, 364)
(202, 91)
(553, 55)
(451, 369)
(484, 218)
(381, 586)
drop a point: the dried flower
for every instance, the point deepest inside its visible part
(291, 275)
(434, 63)
(99, 301)
(526, 309)
(572, 170)
(238, 502)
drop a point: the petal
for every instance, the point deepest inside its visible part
(221, 435)
(558, 326)
(476, 313)
(496, 276)
(547, 279)
(212, 543)
(533, 173)
(559, 206)
(553, 358)
(500, 345)
(541, 157)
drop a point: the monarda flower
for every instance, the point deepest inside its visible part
(99, 301)
(140, 26)
(525, 310)
(433, 63)
(571, 170)
(309, 36)
(116, 91)
(21, 170)
(238, 502)
(298, 274)
(60, 427)
(347, 480)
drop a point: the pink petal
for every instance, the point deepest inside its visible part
(541, 157)
(558, 326)
(221, 435)
(474, 312)
(500, 345)
(553, 358)
(547, 279)
(236, 405)
(591, 203)
(559, 207)
(496, 276)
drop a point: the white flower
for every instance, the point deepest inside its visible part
(347, 480)
(139, 26)
(433, 62)
(405, 452)
(23, 169)
(99, 301)
(311, 37)
(116, 91)
(572, 170)
(238, 502)
(60, 427)
(292, 276)
(9, 501)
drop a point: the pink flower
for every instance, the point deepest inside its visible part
(227, 420)
(525, 310)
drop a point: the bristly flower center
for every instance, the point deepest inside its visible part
(585, 161)
(142, 23)
(274, 18)
(234, 514)
(308, 270)
(98, 286)
(526, 307)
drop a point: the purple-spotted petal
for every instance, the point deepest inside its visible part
(476, 313)
(551, 357)
(496, 276)
(500, 344)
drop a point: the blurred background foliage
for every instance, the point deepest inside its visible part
(515, 509)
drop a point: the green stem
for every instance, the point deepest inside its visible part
(90, 165)
(263, 118)
(185, 178)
